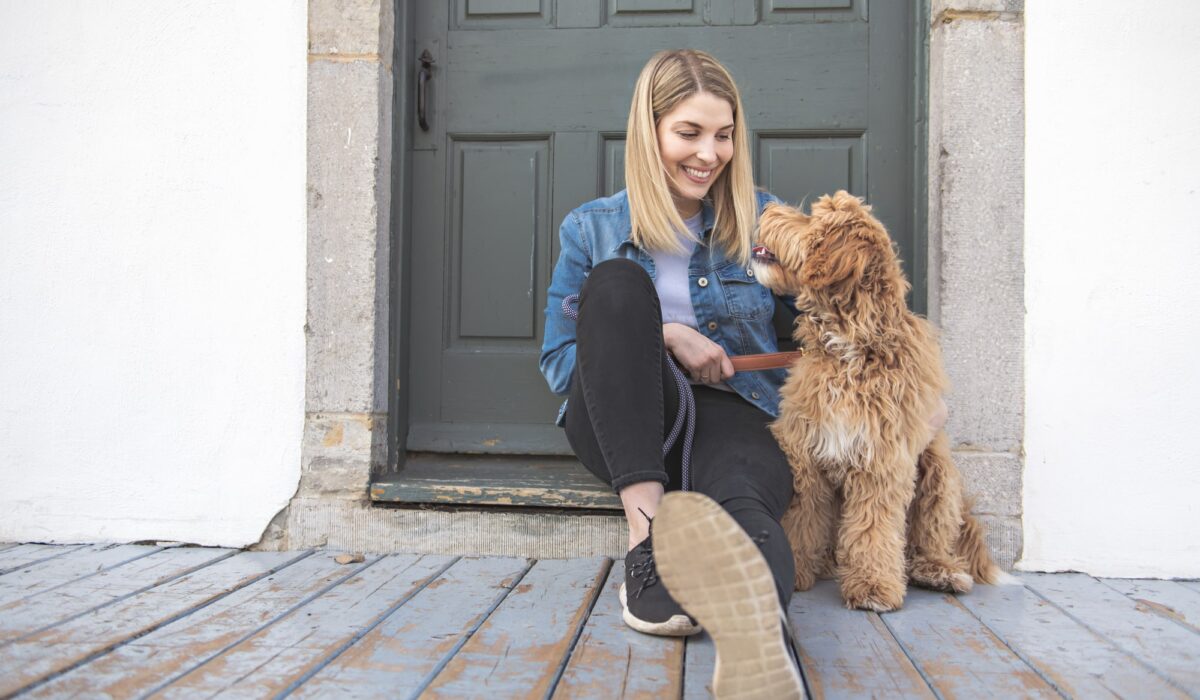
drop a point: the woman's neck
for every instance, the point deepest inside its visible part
(687, 208)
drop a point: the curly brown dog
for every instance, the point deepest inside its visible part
(854, 415)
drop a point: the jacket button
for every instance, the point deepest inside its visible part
(754, 394)
(749, 271)
(712, 325)
(703, 281)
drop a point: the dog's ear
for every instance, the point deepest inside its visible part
(839, 201)
(836, 259)
(782, 227)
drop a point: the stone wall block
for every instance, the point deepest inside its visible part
(940, 7)
(347, 27)
(976, 226)
(347, 280)
(381, 380)
(993, 479)
(338, 453)
(358, 527)
(1003, 539)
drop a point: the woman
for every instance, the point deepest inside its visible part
(662, 273)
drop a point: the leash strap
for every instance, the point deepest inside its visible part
(766, 360)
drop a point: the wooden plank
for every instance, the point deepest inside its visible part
(849, 653)
(1159, 642)
(51, 607)
(135, 668)
(956, 654)
(25, 555)
(700, 657)
(36, 657)
(519, 650)
(77, 564)
(1167, 598)
(395, 658)
(1078, 662)
(612, 660)
(287, 652)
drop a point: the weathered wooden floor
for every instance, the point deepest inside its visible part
(136, 621)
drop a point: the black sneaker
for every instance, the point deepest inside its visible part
(646, 604)
(718, 574)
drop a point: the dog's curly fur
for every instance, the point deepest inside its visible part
(878, 499)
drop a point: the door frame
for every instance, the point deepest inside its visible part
(403, 121)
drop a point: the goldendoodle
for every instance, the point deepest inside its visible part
(878, 499)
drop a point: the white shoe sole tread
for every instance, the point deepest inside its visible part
(720, 577)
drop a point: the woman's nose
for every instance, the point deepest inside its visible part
(707, 151)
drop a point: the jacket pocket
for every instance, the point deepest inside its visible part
(744, 296)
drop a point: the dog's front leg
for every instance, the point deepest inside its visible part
(870, 554)
(809, 522)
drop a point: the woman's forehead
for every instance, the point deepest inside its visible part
(702, 110)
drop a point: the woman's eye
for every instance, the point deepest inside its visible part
(687, 134)
(724, 137)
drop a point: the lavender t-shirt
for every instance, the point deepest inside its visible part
(671, 283)
(671, 278)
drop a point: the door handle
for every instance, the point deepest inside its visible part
(423, 76)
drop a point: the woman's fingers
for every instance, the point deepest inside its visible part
(715, 365)
(704, 360)
(726, 366)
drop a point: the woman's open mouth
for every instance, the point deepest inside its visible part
(697, 175)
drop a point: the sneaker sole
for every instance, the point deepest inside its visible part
(677, 626)
(719, 576)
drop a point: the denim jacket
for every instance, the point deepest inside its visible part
(732, 308)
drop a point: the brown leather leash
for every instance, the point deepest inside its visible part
(766, 360)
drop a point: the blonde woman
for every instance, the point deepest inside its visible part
(662, 275)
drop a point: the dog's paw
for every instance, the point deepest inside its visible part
(878, 596)
(804, 580)
(940, 577)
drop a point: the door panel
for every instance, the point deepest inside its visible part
(499, 204)
(527, 110)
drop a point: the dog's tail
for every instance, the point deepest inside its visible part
(972, 547)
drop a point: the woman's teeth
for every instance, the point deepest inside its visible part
(698, 174)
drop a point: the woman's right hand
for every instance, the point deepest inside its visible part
(703, 359)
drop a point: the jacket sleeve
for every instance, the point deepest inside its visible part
(558, 346)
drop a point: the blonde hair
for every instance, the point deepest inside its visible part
(668, 79)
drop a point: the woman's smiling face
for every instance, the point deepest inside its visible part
(696, 143)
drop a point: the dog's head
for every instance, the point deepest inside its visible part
(829, 256)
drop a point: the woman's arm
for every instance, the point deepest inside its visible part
(558, 342)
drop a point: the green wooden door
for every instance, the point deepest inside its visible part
(526, 112)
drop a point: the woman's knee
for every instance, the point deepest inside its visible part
(617, 285)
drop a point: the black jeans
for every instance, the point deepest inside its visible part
(623, 402)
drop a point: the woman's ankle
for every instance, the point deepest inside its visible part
(641, 503)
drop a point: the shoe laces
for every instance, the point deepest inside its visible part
(643, 569)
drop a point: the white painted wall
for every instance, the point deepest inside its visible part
(1112, 477)
(152, 268)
